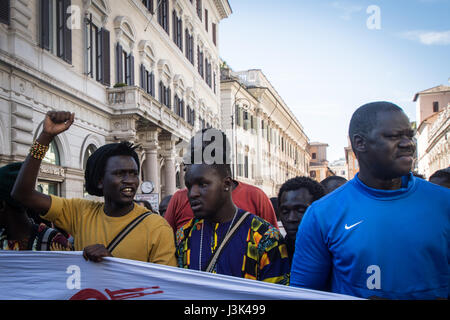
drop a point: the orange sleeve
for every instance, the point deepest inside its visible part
(178, 211)
(171, 211)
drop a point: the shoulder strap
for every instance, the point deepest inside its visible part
(225, 241)
(126, 231)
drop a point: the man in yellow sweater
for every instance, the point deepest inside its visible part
(112, 172)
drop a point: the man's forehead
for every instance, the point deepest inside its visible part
(392, 120)
(300, 194)
(120, 162)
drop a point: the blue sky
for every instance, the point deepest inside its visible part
(325, 61)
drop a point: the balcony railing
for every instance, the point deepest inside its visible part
(134, 100)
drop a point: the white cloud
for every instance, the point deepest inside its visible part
(428, 37)
(347, 9)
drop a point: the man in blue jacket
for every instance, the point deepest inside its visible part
(385, 233)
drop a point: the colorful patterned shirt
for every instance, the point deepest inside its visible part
(42, 238)
(255, 251)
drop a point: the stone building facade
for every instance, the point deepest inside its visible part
(269, 144)
(129, 70)
(433, 129)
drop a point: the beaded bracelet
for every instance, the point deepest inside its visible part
(38, 150)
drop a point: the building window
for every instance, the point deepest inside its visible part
(312, 174)
(163, 15)
(200, 62)
(48, 187)
(179, 106)
(435, 106)
(177, 29)
(164, 95)
(313, 155)
(124, 66)
(246, 120)
(97, 52)
(190, 115)
(147, 81)
(199, 9)
(52, 155)
(87, 153)
(4, 12)
(208, 77)
(56, 36)
(246, 166)
(214, 33)
(149, 5)
(206, 20)
(189, 41)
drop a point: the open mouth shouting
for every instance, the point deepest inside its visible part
(128, 192)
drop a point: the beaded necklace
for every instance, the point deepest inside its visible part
(201, 240)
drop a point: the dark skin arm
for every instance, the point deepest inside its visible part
(23, 190)
(96, 253)
(55, 123)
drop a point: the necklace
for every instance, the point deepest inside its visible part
(201, 239)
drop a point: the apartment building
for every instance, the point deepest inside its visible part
(145, 71)
(269, 145)
(433, 129)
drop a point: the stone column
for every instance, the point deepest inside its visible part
(182, 184)
(151, 164)
(168, 153)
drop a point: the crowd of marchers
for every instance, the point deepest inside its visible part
(383, 234)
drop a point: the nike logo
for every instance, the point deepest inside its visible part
(353, 225)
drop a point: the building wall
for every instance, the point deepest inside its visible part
(34, 81)
(433, 143)
(433, 151)
(270, 146)
(424, 104)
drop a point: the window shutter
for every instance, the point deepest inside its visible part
(106, 79)
(45, 26)
(152, 84)
(131, 68)
(174, 26)
(143, 77)
(67, 33)
(169, 97)
(4, 12)
(119, 61)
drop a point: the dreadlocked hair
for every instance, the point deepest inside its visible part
(96, 163)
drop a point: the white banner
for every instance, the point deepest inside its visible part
(34, 275)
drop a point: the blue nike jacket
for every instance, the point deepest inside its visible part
(368, 242)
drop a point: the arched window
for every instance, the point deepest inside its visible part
(52, 155)
(87, 153)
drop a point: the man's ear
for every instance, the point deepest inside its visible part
(228, 184)
(359, 143)
(2, 206)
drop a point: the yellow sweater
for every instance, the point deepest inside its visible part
(152, 240)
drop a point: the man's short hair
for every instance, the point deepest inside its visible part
(364, 119)
(314, 187)
(331, 178)
(96, 163)
(210, 146)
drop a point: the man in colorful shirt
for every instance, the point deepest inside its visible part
(17, 230)
(255, 250)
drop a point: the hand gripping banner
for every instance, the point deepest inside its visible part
(33, 275)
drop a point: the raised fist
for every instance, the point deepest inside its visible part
(57, 121)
